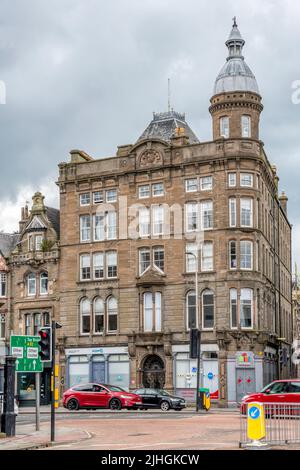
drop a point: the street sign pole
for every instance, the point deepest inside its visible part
(53, 384)
(37, 400)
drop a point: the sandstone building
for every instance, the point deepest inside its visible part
(135, 227)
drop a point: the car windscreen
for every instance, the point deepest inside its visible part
(163, 393)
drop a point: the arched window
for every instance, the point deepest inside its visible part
(31, 284)
(191, 314)
(44, 283)
(98, 315)
(246, 126)
(112, 315)
(208, 309)
(224, 127)
(85, 316)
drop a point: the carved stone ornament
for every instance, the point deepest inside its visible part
(150, 157)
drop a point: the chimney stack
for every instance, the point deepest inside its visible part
(283, 199)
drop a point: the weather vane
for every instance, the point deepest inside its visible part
(234, 22)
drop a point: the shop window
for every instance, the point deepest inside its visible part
(78, 370)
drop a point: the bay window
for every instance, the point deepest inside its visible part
(246, 212)
(246, 254)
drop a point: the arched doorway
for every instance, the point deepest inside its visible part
(153, 372)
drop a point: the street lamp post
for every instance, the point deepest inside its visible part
(198, 320)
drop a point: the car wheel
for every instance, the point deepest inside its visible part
(73, 404)
(115, 404)
(164, 406)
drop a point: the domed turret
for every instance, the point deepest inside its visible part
(236, 102)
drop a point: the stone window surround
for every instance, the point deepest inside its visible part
(106, 331)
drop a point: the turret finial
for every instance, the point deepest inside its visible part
(234, 22)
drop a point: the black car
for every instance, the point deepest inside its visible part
(154, 398)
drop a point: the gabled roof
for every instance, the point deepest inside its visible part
(36, 224)
(54, 217)
(163, 126)
(8, 241)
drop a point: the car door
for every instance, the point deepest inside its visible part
(277, 393)
(141, 392)
(293, 395)
(83, 393)
(151, 398)
(99, 397)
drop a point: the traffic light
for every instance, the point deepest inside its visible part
(194, 343)
(45, 344)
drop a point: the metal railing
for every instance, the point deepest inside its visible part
(282, 421)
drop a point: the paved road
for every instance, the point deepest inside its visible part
(156, 431)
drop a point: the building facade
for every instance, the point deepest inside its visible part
(34, 286)
(296, 321)
(136, 227)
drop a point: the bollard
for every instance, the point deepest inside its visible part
(8, 418)
(256, 426)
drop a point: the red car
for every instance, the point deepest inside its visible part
(279, 391)
(94, 395)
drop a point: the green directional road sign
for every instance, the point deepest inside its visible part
(26, 350)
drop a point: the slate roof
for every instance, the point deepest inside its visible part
(53, 216)
(8, 241)
(163, 127)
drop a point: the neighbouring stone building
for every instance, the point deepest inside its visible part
(34, 286)
(296, 319)
(133, 228)
(7, 244)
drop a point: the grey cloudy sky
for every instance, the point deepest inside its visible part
(88, 73)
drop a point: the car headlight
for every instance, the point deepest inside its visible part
(127, 397)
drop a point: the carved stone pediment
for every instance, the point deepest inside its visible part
(151, 277)
(150, 157)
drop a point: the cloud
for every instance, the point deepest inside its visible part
(88, 74)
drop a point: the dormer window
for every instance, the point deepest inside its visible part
(224, 127)
(246, 126)
(38, 242)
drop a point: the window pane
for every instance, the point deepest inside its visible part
(111, 225)
(111, 195)
(99, 316)
(191, 216)
(158, 220)
(246, 126)
(206, 215)
(98, 197)
(148, 312)
(144, 259)
(232, 255)
(246, 308)
(85, 228)
(191, 310)
(224, 127)
(85, 199)
(158, 189)
(31, 284)
(208, 309)
(246, 254)
(233, 308)
(206, 183)
(190, 259)
(44, 283)
(3, 280)
(231, 180)
(159, 258)
(85, 267)
(144, 221)
(98, 263)
(191, 185)
(207, 256)
(85, 316)
(144, 191)
(157, 311)
(112, 307)
(111, 261)
(246, 179)
(232, 212)
(99, 227)
(246, 212)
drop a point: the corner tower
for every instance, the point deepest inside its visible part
(236, 102)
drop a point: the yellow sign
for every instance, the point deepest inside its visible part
(256, 427)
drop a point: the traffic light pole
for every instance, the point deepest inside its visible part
(37, 402)
(53, 383)
(198, 369)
